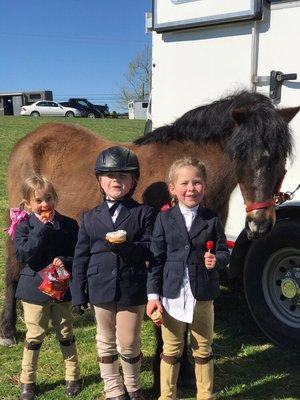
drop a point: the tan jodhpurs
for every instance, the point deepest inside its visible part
(118, 331)
(37, 319)
(201, 337)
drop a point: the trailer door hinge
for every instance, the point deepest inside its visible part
(275, 81)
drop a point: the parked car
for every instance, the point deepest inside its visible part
(87, 109)
(49, 109)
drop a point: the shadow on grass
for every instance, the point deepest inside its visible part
(247, 365)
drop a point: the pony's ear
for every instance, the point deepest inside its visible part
(288, 113)
(241, 115)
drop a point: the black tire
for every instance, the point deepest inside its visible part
(35, 114)
(91, 115)
(69, 114)
(268, 262)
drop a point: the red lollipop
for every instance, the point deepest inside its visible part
(209, 245)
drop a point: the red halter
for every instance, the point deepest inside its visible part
(278, 198)
(259, 205)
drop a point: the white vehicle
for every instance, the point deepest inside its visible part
(203, 50)
(49, 109)
(137, 109)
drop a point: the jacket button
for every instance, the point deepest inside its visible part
(187, 247)
(114, 272)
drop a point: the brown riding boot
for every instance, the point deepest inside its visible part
(204, 371)
(137, 395)
(73, 387)
(28, 391)
(121, 397)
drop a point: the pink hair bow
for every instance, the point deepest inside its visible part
(16, 216)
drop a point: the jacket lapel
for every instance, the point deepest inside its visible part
(179, 222)
(123, 214)
(198, 224)
(102, 214)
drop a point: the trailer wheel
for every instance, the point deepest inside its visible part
(272, 283)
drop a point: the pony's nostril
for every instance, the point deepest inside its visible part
(258, 229)
(265, 227)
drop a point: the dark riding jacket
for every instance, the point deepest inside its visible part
(174, 248)
(36, 245)
(102, 275)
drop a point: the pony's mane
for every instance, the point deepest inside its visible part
(262, 129)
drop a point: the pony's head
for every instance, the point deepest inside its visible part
(259, 147)
(255, 135)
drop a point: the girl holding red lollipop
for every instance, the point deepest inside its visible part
(189, 248)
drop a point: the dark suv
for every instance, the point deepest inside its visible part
(87, 109)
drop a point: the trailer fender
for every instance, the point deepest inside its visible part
(238, 256)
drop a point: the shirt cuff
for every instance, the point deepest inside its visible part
(153, 296)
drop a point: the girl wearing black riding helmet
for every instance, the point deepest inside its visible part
(112, 276)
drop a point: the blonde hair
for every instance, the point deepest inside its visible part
(33, 183)
(186, 162)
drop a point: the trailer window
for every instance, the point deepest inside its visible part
(35, 96)
(144, 105)
(173, 15)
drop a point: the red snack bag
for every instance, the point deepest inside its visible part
(54, 281)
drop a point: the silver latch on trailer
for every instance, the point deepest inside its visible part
(275, 81)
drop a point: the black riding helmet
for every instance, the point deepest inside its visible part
(117, 158)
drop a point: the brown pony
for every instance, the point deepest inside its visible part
(240, 139)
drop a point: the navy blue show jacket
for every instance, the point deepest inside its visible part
(174, 249)
(101, 275)
(36, 245)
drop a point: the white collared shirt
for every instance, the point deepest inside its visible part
(117, 210)
(182, 308)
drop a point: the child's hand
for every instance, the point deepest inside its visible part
(210, 260)
(57, 262)
(152, 305)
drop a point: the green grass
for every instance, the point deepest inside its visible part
(247, 365)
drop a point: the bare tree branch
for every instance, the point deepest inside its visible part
(137, 78)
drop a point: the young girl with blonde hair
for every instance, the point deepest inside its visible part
(189, 248)
(44, 237)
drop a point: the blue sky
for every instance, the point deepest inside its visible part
(72, 47)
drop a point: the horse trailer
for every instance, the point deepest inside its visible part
(12, 102)
(137, 109)
(201, 51)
